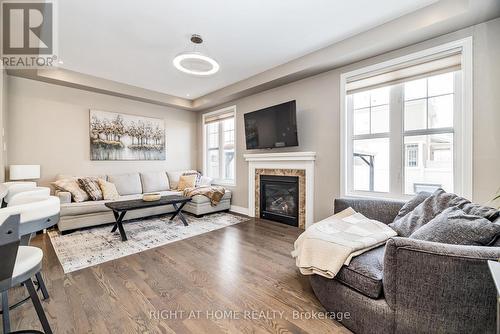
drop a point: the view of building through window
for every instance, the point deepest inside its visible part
(371, 140)
(220, 148)
(427, 110)
(228, 139)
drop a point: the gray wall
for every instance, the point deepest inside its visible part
(50, 126)
(318, 112)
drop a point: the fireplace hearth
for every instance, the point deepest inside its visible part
(279, 198)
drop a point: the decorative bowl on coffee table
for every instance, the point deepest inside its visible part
(151, 197)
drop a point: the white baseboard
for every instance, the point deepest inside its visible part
(239, 209)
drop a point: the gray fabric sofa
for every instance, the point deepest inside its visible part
(411, 286)
(132, 186)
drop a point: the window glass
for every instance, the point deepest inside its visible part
(441, 111)
(411, 155)
(380, 119)
(379, 96)
(415, 117)
(371, 111)
(424, 140)
(228, 157)
(441, 84)
(436, 168)
(213, 163)
(361, 121)
(361, 100)
(220, 150)
(415, 89)
(371, 164)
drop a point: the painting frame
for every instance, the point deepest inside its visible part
(115, 136)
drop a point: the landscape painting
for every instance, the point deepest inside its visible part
(115, 136)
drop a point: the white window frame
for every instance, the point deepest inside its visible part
(224, 182)
(463, 127)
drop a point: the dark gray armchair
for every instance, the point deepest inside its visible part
(423, 287)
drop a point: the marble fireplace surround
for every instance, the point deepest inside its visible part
(301, 173)
(299, 164)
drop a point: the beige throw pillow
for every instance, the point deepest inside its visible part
(71, 186)
(108, 189)
(173, 177)
(186, 181)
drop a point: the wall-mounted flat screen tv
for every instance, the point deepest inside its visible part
(272, 127)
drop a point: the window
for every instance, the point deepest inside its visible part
(411, 155)
(370, 111)
(219, 146)
(407, 124)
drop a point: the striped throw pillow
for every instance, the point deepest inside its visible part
(91, 187)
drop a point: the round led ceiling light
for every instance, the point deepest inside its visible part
(195, 62)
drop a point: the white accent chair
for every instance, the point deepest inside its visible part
(37, 208)
(19, 265)
(18, 190)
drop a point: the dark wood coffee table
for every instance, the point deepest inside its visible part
(120, 208)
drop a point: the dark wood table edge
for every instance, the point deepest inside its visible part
(119, 214)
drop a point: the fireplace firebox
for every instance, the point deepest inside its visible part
(279, 199)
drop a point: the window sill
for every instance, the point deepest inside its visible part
(379, 196)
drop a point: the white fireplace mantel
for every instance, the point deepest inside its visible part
(286, 160)
(287, 156)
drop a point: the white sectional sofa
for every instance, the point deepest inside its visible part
(132, 186)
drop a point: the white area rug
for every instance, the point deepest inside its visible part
(89, 247)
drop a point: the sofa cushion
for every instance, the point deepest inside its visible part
(200, 199)
(365, 273)
(89, 207)
(127, 184)
(454, 226)
(154, 181)
(412, 204)
(74, 209)
(434, 205)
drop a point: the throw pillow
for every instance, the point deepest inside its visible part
(91, 187)
(71, 186)
(186, 181)
(108, 189)
(197, 174)
(434, 205)
(173, 177)
(454, 226)
(411, 205)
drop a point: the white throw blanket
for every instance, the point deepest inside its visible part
(327, 245)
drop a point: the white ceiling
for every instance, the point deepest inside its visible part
(134, 42)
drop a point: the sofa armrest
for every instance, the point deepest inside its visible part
(64, 196)
(439, 287)
(379, 209)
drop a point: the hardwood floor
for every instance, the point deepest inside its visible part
(226, 281)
